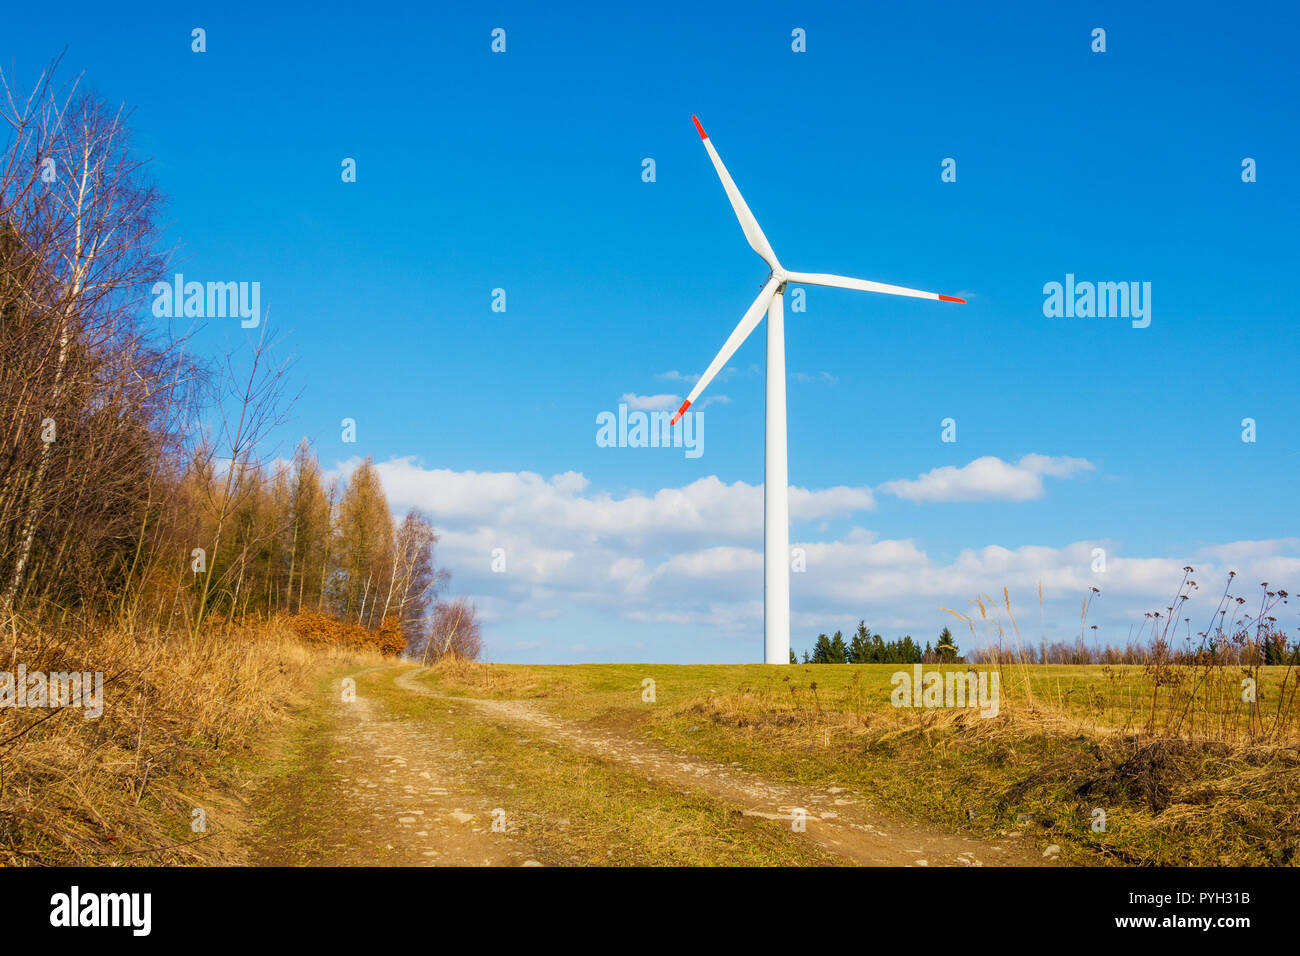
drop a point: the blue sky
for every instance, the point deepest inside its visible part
(522, 171)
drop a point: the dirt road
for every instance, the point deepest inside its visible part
(369, 787)
(382, 780)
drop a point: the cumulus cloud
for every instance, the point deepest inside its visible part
(595, 567)
(897, 586)
(667, 403)
(705, 509)
(651, 403)
(987, 479)
(724, 375)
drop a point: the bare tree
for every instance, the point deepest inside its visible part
(85, 389)
(249, 405)
(455, 632)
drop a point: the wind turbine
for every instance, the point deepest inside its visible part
(776, 505)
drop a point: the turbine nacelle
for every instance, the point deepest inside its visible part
(776, 280)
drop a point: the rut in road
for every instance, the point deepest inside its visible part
(839, 821)
(374, 789)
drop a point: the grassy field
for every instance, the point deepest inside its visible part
(1119, 697)
(1115, 764)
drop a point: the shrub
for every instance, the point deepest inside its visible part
(314, 627)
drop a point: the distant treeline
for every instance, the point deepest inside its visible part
(868, 647)
(1252, 639)
(1273, 649)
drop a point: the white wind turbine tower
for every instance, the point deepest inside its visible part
(776, 507)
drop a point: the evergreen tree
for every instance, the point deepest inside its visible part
(877, 653)
(860, 646)
(947, 647)
(911, 653)
(822, 650)
(839, 652)
(1274, 648)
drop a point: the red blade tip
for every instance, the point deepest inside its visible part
(695, 120)
(681, 411)
(951, 298)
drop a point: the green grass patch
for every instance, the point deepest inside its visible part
(1060, 753)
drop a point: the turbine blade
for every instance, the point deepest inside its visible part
(865, 285)
(748, 224)
(741, 332)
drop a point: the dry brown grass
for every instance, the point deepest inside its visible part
(1170, 800)
(1236, 683)
(179, 714)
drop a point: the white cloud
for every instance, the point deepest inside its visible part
(820, 378)
(986, 479)
(705, 509)
(724, 375)
(829, 502)
(600, 568)
(667, 403)
(1058, 467)
(651, 403)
